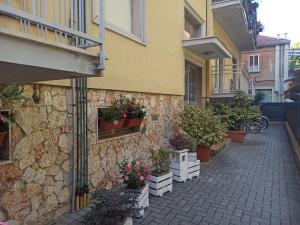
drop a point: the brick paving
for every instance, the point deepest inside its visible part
(252, 183)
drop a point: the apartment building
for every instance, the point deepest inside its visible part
(74, 56)
(268, 64)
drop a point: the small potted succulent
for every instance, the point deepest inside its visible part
(110, 119)
(134, 175)
(202, 126)
(161, 178)
(136, 114)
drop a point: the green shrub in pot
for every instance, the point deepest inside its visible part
(201, 125)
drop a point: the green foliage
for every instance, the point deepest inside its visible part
(129, 108)
(137, 111)
(12, 93)
(160, 160)
(121, 103)
(110, 114)
(201, 125)
(238, 113)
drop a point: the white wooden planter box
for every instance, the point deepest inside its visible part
(179, 165)
(193, 169)
(141, 202)
(160, 185)
(192, 156)
(128, 221)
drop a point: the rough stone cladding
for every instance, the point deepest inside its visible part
(36, 186)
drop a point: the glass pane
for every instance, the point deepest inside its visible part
(118, 13)
(256, 60)
(190, 28)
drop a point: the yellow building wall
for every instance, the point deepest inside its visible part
(158, 65)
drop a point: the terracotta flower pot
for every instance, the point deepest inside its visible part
(203, 153)
(2, 137)
(108, 126)
(236, 136)
(133, 122)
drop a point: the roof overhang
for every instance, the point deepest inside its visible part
(208, 47)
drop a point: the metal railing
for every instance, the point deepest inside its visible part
(63, 21)
(293, 118)
(230, 78)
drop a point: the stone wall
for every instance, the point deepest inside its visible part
(36, 186)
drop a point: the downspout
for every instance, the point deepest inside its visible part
(73, 84)
(207, 61)
(78, 148)
(86, 145)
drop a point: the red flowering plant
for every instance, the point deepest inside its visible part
(121, 103)
(134, 174)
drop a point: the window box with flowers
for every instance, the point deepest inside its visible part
(134, 175)
(161, 178)
(123, 117)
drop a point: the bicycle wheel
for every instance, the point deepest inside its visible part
(255, 127)
(264, 122)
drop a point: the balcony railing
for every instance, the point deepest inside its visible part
(64, 22)
(227, 79)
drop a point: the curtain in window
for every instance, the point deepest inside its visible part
(119, 13)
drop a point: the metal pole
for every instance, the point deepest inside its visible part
(73, 81)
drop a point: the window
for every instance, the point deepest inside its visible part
(253, 63)
(266, 95)
(124, 16)
(192, 24)
(118, 132)
(193, 83)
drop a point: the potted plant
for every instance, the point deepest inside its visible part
(134, 175)
(236, 114)
(160, 181)
(110, 119)
(181, 142)
(109, 208)
(122, 104)
(202, 126)
(135, 114)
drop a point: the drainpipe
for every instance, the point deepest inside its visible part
(73, 84)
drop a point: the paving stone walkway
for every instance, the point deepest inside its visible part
(251, 183)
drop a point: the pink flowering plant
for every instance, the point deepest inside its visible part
(134, 174)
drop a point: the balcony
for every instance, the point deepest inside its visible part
(228, 79)
(208, 47)
(49, 40)
(239, 20)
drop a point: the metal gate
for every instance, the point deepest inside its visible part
(275, 111)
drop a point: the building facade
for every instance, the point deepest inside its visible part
(163, 53)
(268, 64)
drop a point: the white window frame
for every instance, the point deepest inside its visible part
(142, 23)
(250, 68)
(195, 17)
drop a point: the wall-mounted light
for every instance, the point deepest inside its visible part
(36, 93)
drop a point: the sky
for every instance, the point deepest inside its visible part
(279, 17)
